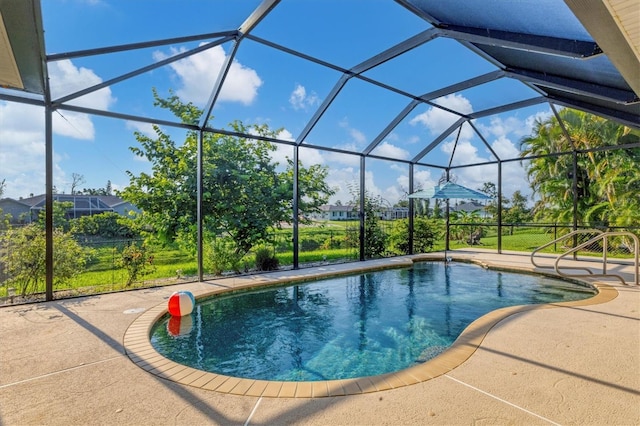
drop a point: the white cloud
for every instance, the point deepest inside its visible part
(66, 78)
(310, 157)
(465, 152)
(342, 159)
(198, 73)
(422, 179)
(144, 128)
(341, 179)
(281, 154)
(357, 136)
(22, 150)
(300, 100)
(22, 135)
(285, 135)
(438, 120)
(504, 148)
(385, 149)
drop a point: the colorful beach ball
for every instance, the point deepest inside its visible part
(180, 326)
(181, 303)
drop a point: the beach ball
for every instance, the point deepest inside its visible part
(181, 303)
(180, 326)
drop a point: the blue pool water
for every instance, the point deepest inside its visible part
(350, 326)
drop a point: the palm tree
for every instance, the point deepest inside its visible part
(607, 179)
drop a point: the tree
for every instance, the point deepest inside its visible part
(607, 179)
(491, 190)
(423, 236)
(107, 190)
(24, 263)
(60, 216)
(137, 261)
(518, 212)
(313, 188)
(375, 239)
(465, 232)
(244, 195)
(76, 180)
(105, 225)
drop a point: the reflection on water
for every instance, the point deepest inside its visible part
(345, 327)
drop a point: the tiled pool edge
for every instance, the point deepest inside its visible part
(139, 349)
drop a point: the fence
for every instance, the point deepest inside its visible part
(320, 244)
(529, 236)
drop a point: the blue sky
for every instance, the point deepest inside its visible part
(264, 86)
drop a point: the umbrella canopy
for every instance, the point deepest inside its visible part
(450, 190)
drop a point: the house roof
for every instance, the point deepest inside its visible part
(334, 208)
(468, 207)
(110, 200)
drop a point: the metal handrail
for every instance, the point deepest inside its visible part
(604, 237)
(557, 240)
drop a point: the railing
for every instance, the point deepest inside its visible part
(600, 236)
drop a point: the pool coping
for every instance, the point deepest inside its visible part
(140, 351)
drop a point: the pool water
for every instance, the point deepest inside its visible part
(350, 326)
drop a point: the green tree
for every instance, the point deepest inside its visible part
(491, 190)
(137, 261)
(244, 194)
(607, 179)
(105, 225)
(313, 188)
(518, 212)
(24, 260)
(60, 216)
(423, 236)
(107, 190)
(465, 232)
(375, 239)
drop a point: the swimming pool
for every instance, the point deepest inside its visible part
(350, 326)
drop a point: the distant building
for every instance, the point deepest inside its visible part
(471, 207)
(26, 210)
(393, 213)
(331, 212)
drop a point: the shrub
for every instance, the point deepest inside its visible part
(423, 236)
(24, 258)
(105, 225)
(137, 261)
(266, 260)
(221, 255)
(309, 245)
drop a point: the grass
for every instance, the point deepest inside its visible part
(170, 263)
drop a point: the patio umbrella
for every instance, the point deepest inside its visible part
(446, 192)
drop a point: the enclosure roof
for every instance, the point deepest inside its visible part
(22, 64)
(582, 54)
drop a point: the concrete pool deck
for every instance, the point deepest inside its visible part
(72, 362)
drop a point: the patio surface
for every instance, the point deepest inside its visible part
(82, 361)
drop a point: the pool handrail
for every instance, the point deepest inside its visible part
(604, 237)
(557, 240)
(601, 235)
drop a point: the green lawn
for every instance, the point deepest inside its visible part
(316, 242)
